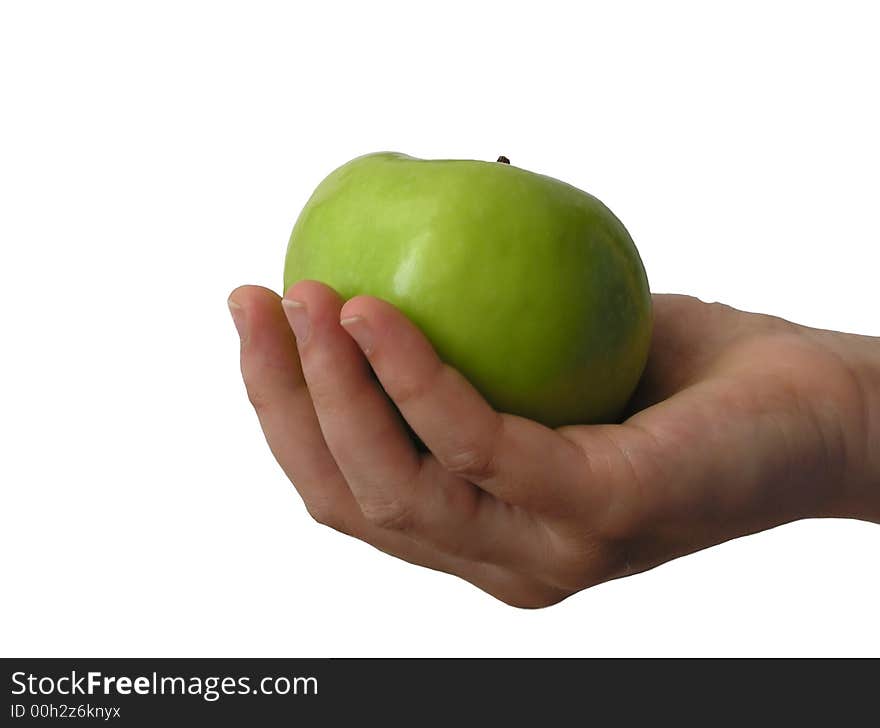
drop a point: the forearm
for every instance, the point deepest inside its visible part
(861, 484)
(871, 386)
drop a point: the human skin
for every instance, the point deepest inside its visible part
(742, 422)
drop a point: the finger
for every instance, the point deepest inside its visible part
(365, 436)
(510, 587)
(515, 459)
(273, 378)
(397, 488)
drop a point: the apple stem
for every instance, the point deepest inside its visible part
(503, 160)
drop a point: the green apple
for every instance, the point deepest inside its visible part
(528, 286)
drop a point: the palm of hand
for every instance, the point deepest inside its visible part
(739, 424)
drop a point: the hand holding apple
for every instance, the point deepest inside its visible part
(741, 422)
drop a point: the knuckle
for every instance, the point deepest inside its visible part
(321, 512)
(575, 563)
(324, 513)
(471, 463)
(392, 515)
(717, 308)
(259, 400)
(532, 596)
(406, 389)
(570, 574)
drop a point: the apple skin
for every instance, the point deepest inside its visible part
(531, 288)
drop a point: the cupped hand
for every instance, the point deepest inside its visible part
(741, 422)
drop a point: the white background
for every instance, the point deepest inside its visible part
(156, 154)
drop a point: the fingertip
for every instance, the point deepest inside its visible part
(368, 308)
(249, 305)
(359, 330)
(356, 307)
(248, 296)
(307, 290)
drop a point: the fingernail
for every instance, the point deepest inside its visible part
(238, 318)
(359, 331)
(298, 317)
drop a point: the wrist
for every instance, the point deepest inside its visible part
(860, 486)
